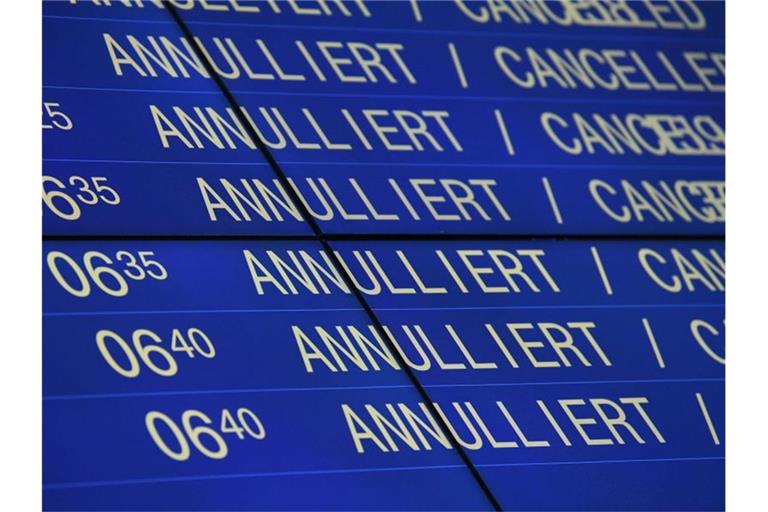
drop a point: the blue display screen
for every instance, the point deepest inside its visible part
(317, 255)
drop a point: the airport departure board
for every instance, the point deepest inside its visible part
(369, 255)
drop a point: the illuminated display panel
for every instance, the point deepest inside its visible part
(405, 255)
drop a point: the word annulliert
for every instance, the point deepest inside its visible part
(394, 427)
(444, 199)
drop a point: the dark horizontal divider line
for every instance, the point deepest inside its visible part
(382, 237)
(437, 96)
(179, 238)
(636, 37)
(343, 272)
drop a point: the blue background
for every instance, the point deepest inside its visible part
(97, 453)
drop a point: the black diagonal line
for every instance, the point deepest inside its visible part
(309, 219)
